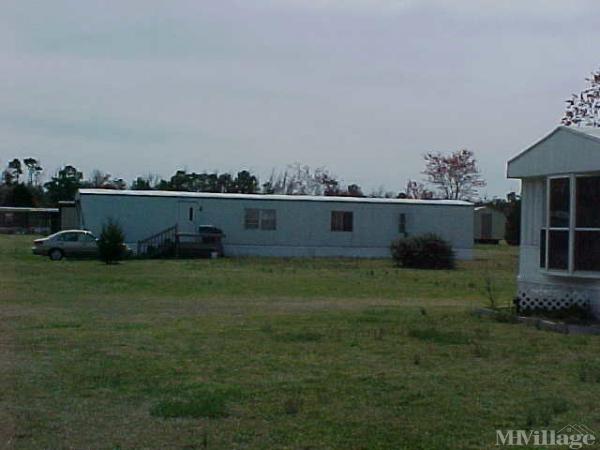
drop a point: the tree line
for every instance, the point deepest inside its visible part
(446, 176)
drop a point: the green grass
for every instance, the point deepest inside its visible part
(275, 353)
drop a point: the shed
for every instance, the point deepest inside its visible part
(489, 225)
(559, 261)
(281, 225)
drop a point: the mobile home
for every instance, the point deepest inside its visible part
(281, 225)
(559, 262)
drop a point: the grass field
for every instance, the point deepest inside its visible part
(272, 353)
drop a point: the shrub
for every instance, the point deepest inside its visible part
(427, 251)
(110, 244)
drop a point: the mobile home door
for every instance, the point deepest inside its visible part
(187, 218)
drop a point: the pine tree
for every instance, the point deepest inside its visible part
(110, 244)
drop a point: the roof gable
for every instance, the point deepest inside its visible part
(564, 150)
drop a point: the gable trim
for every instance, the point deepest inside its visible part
(571, 130)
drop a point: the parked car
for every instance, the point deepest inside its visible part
(78, 243)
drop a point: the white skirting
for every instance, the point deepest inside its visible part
(556, 295)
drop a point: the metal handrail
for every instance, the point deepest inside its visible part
(157, 240)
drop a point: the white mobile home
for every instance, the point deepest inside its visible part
(489, 225)
(281, 225)
(559, 263)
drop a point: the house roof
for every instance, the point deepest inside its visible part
(275, 197)
(564, 150)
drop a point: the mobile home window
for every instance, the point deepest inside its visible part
(342, 221)
(263, 219)
(251, 219)
(268, 219)
(402, 224)
(571, 242)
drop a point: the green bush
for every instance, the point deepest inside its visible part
(110, 245)
(427, 251)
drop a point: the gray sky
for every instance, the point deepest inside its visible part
(363, 87)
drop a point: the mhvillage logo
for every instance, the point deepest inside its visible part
(572, 436)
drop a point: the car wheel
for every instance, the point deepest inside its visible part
(55, 254)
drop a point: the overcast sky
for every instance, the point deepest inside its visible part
(363, 87)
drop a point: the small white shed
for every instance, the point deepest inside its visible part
(489, 225)
(559, 263)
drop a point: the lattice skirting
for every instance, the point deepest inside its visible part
(552, 298)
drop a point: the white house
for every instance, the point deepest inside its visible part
(559, 261)
(489, 225)
(281, 225)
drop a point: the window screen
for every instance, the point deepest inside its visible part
(572, 244)
(587, 250)
(587, 224)
(559, 202)
(587, 202)
(558, 250)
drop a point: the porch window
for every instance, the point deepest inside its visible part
(587, 227)
(571, 242)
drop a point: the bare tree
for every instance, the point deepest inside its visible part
(381, 192)
(149, 182)
(98, 179)
(417, 190)
(299, 179)
(104, 180)
(456, 175)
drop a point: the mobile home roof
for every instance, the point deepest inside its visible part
(27, 209)
(310, 198)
